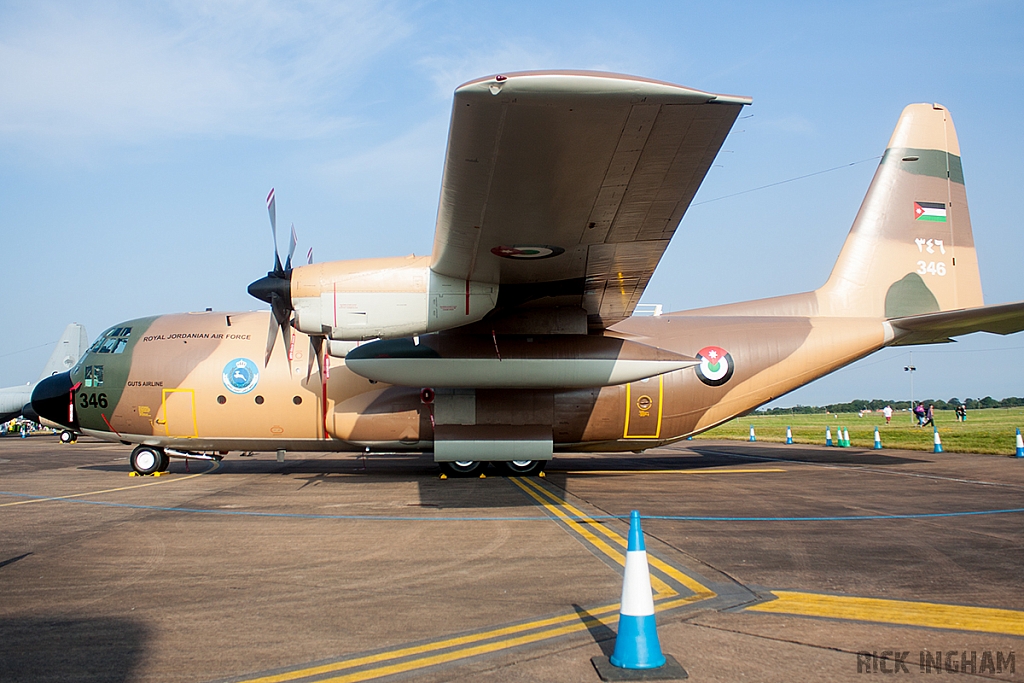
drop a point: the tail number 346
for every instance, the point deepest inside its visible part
(88, 400)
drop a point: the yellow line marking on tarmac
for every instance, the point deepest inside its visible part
(464, 647)
(744, 471)
(700, 591)
(121, 488)
(907, 613)
(553, 626)
(661, 588)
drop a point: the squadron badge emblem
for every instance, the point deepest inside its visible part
(241, 376)
(715, 367)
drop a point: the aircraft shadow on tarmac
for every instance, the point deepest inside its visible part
(435, 493)
(61, 648)
(823, 455)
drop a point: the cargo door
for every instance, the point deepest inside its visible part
(179, 408)
(643, 408)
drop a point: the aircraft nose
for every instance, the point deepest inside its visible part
(52, 397)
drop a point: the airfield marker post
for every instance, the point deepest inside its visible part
(938, 442)
(828, 436)
(1020, 444)
(752, 437)
(878, 440)
(789, 435)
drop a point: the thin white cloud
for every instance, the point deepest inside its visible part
(136, 72)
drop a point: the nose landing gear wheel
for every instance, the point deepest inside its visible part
(148, 460)
(68, 436)
(462, 468)
(521, 468)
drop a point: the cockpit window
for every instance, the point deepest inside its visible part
(113, 340)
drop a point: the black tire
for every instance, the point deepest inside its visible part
(464, 468)
(68, 436)
(165, 461)
(521, 468)
(147, 459)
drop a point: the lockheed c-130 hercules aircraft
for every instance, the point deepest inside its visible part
(516, 337)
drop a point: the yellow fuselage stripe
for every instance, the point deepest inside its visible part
(927, 614)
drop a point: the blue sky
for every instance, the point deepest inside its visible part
(138, 141)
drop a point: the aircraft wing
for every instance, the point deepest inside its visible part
(570, 184)
(931, 328)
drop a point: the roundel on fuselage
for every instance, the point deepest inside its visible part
(241, 376)
(716, 366)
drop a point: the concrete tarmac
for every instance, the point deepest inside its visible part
(769, 563)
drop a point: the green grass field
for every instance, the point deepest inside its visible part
(991, 430)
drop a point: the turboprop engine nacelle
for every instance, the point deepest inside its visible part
(384, 298)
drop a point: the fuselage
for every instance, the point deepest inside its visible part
(197, 382)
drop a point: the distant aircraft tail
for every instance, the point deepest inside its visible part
(70, 347)
(910, 250)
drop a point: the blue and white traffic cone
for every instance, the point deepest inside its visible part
(637, 645)
(752, 437)
(828, 436)
(1020, 445)
(878, 440)
(938, 441)
(789, 435)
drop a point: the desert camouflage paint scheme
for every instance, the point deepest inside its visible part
(560, 193)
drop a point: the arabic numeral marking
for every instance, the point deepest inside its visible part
(931, 268)
(93, 400)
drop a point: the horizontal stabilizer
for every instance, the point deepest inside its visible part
(931, 328)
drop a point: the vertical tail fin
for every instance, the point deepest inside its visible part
(910, 249)
(70, 347)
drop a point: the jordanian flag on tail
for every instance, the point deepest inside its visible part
(930, 211)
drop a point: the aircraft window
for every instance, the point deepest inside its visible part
(108, 345)
(93, 375)
(121, 343)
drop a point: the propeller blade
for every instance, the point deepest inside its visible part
(291, 248)
(271, 339)
(316, 345)
(309, 257)
(272, 210)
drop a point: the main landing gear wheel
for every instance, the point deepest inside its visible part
(521, 468)
(68, 436)
(148, 460)
(462, 468)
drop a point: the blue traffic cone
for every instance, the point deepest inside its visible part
(789, 435)
(752, 437)
(878, 440)
(938, 441)
(828, 436)
(637, 645)
(1020, 445)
